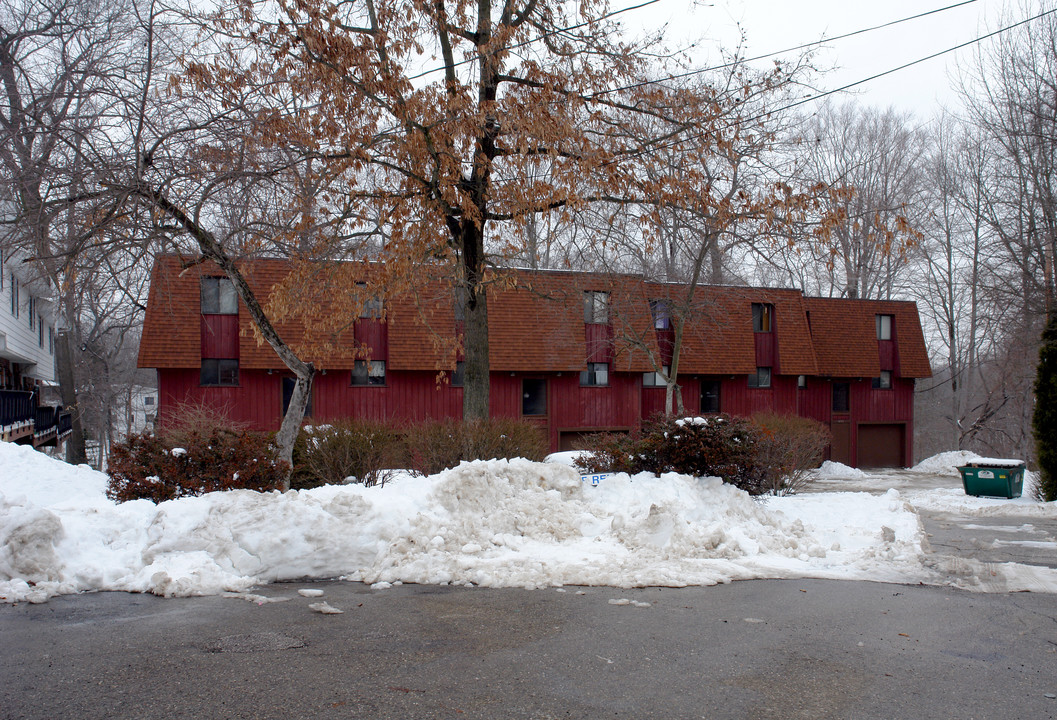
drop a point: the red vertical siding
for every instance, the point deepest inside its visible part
(766, 355)
(886, 352)
(257, 401)
(406, 396)
(412, 396)
(372, 333)
(220, 336)
(599, 340)
(816, 400)
(504, 397)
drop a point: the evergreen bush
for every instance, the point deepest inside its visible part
(1044, 418)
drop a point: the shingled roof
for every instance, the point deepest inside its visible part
(536, 325)
(844, 334)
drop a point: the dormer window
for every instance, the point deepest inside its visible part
(219, 297)
(762, 317)
(661, 319)
(372, 306)
(596, 307)
(884, 327)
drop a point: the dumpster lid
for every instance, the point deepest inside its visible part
(995, 462)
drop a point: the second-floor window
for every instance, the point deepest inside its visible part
(661, 319)
(372, 304)
(762, 317)
(596, 307)
(219, 297)
(884, 381)
(884, 327)
(14, 295)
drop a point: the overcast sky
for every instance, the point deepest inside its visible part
(772, 25)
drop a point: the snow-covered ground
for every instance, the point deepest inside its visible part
(497, 524)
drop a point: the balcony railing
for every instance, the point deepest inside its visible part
(44, 423)
(63, 425)
(17, 414)
(21, 419)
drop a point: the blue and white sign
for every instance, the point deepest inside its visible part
(594, 479)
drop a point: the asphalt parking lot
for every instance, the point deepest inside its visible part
(755, 649)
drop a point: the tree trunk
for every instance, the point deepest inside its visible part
(476, 382)
(295, 413)
(75, 450)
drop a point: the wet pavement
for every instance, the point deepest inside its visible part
(992, 532)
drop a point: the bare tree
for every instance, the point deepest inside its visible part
(868, 161)
(58, 63)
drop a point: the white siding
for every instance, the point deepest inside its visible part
(19, 342)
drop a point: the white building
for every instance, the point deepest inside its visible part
(27, 326)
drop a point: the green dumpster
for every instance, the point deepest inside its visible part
(993, 477)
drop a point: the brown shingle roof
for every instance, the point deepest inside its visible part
(536, 325)
(845, 337)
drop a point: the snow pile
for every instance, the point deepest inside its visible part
(946, 463)
(830, 470)
(497, 524)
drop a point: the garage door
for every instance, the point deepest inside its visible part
(881, 445)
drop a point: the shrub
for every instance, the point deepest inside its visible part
(788, 447)
(435, 446)
(331, 454)
(718, 445)
(151, 468)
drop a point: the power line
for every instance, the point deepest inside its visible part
(917, 62)
(804, 46)
(842, 88)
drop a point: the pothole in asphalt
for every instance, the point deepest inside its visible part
(255, 642)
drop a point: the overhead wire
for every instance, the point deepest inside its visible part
(848, 86)
(804, 46)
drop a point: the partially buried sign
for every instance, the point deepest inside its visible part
(594, 479)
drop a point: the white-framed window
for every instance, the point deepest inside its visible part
(372, 305)
(884, 327)
(219, 296)
(596, 307)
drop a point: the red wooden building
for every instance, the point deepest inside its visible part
(573, 352)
